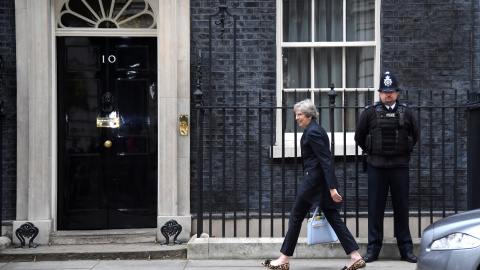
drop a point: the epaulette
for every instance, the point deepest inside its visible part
(373, 105)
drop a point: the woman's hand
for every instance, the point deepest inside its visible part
(335, 196)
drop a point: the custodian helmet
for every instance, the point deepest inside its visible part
(388, 82)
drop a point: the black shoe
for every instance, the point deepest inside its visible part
(370, 258)
(409, 257)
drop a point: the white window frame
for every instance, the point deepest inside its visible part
(339, 136)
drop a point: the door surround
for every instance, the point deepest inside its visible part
(36, 113)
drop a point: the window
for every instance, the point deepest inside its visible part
(320, 42)
(106, 14)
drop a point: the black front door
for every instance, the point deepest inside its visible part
(107, 133)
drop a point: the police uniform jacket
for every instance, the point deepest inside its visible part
(318, 169)
(368, 121)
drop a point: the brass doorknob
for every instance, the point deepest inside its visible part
(108, 144)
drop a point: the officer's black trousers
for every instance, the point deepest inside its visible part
(380, 181)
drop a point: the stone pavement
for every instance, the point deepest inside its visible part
(197, 254)
(296, 264)
(195, 249)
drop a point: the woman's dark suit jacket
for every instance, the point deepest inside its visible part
(318, 169)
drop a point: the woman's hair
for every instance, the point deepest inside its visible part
(307, 107)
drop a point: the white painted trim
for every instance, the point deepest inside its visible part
(54, 124)
(376, 84)
(340, 147)
(55, 6)
(279, 86)
(37, 162)
(100, 32)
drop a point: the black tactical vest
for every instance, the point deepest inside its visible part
(390, 136)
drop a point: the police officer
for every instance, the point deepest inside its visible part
(387, 132)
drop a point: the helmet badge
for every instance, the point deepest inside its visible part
(387, 81)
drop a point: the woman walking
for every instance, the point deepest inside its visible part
(319, 187)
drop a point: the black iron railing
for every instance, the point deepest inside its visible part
(238, 177)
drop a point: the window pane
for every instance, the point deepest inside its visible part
(328, 20)
(360, 63)
(296, 67)
(324, 112)
(291, 99)
(296, 20)
(364, 98)
(328, 67)
(360, 20)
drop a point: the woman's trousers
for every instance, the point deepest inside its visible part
(297, 216)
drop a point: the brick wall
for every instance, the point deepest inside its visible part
(255, 85)
(476, 46)
(427, 45)
(9, 97)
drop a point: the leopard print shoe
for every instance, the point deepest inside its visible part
(356, 265)
(266, 263)
(284, 266)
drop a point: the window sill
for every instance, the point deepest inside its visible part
(340, 148)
